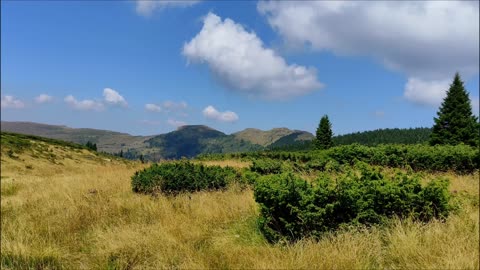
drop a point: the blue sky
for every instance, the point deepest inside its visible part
(147, 67)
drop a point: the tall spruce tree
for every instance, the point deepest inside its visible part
(324, 134)
(455, 122)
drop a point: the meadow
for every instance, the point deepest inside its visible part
(68, 208)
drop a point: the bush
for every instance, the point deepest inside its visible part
(266, 166)
(181, 176)
(458, 158)
(291, 208)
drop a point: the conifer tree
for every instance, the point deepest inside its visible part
(324, 134)
(455, 122)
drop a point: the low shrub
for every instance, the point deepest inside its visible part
(266, 166)
(292, 208)
(175, 177)
(458, 158)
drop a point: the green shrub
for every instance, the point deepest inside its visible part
(291, 208)
(266, 166)
(182, 176)
(249, 177)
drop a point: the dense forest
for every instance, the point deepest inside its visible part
(369, 138)
(385, 136)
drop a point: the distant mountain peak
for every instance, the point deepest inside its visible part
(195, 127)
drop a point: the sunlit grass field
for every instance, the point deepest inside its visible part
(79, 213)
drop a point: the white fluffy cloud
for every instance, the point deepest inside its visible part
(85, 105)
(430, 92)
(239, 60)
(475, 105)
(426, 40)
(11, 102)
(43, 98)
(176, 123)
(147, 7)
(227, 116)
(113, 97)
(152, 107)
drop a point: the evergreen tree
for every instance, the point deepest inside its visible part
(456, 123)
(324, 134)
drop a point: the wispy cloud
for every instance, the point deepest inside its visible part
(379, 114)
(168, 107)
(146, 8)
(43, 98)
(176, 123)
(85, 105)
(150, 122)
(152, 107)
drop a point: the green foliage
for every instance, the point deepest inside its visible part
(190, 141)
(91, 146)
(458, 158)
(455, 122)
(20, 142)
(385, 136)
(324, 134)
(291, 208)
(174, 177)
(266, 166)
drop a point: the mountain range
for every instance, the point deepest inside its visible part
(186, 141)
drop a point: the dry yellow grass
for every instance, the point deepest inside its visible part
(83, 215)
(230, 163)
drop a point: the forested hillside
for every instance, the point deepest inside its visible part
(385, 136)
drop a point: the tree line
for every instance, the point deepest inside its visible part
(455, 124)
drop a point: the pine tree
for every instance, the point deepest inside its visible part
(455, 122)
(324, 134)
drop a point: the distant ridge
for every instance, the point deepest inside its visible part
(186, 141)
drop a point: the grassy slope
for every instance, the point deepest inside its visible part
(79, 212)
(108, 141)
(265, 138)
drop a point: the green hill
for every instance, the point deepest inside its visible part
(264, 138)
(107, 141)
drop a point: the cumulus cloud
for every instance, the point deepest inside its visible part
(43, 98)
(176, 123)
(11, 102)
(239, 60)
(430, 92)
(475, 101)
(425, 40)
(113, 97)
(227, 116)
(147, 7)
(84, 105)
(152, 107)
